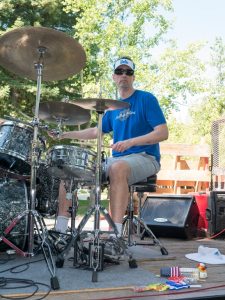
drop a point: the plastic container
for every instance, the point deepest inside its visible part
(191, 274)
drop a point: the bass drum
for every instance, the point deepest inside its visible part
(13, 201)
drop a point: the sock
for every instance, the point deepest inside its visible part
(61, 224)
(119, 228)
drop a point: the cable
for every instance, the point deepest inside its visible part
(217, 234)
(5, 260)
(24, 283)
(18, 266)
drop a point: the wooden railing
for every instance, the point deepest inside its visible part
(184, 168)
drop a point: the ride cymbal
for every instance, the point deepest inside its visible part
(20, 50)
(67, 113)
(101, 105)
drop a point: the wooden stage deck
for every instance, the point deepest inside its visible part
(211, 288)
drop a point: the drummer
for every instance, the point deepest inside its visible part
(137, 131)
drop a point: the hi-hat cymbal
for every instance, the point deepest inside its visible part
(19, 52)
(67, 113)
(101, 105)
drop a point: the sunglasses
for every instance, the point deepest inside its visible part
(128, 72)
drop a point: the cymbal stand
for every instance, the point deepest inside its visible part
(71, 186)
(96, 249)
(33, 217)
(34, 164)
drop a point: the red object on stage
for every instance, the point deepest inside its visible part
(202, 203)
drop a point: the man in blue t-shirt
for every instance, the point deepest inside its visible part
(137, 131)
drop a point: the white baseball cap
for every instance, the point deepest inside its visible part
(124, 61)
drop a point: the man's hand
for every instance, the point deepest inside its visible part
(54, 134)
(122, 145)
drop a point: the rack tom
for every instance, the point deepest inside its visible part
(67, 161)
(15, 147)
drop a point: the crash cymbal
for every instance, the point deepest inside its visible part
(100, 105)
(19, 52)
(67, 113)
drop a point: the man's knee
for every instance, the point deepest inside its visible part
(119, 169)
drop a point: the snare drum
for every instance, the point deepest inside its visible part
(15, 147)
(65, 162)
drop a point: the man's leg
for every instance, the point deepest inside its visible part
(119, 191)
(63, 214)
(122, 172)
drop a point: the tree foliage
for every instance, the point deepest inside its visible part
(212, 104)
(105, 29)
(17, 95)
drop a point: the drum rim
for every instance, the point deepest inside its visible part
(13, 123)
(60, 147)
(22, 157)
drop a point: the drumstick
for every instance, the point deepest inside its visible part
(91, 144)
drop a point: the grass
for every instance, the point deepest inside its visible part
(84, 205)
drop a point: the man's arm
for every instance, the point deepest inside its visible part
(85, 134)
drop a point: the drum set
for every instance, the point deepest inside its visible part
(40, 53)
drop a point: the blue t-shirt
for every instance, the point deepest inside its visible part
(139, 119)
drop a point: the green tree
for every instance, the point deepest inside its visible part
(17, 96)
(104, 28)
(218, 60)
(176, 76)
(212, 104)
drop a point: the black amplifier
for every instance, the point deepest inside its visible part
(215, 213)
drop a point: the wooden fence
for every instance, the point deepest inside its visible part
(184, 168)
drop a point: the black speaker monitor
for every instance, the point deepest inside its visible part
(171, 215)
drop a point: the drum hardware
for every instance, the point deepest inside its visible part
(96, 253)
(71, 186)
(35, 221)
(26, 52)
